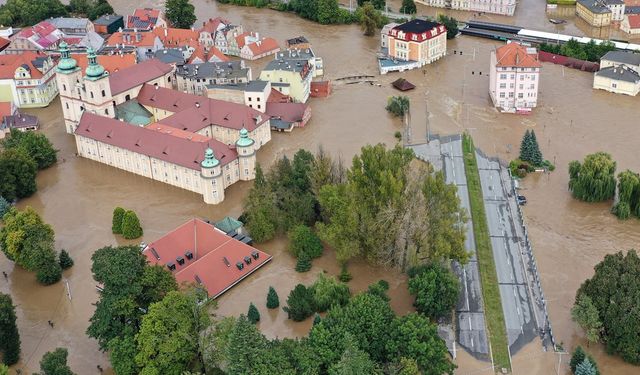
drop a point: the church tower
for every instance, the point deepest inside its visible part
(96, 91)
(212, 181)
(68, 79)
(245, 147)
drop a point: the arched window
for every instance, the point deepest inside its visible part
(91, 93)
(104, 94)
(64, 87)
(128, 97)
(106, 111)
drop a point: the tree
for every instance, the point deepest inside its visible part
(247, 351)
(55, 363)
(100, 8)
(577, 357)
(451, 25)
(122, 354)
(405, 366)
(4, 369)
(303, 264)
(614, 290)
(65, 260)
(300, 303)
(593, 180)
(414, 336)
(628, 195)
(168, 339)
(398, 105)
(585, 368)
(379, 289)
(35, 145)
(316, 319)
(302, 240)
(408, 7)
(116, 222)
(28, 13)
(49, 272)
(586, 315)
(260, 209)
(436, 290)
(131, 228)
(17, 175)
(9, 336)
(354, 361)
(272, 299)
(180, 13)
(327, 292)
(4, 206)
(370, 18)
(253, 315)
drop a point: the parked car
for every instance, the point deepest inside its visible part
(522, 200)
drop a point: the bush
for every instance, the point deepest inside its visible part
(55, 363)
(327, 292)
(451, 24)
(300, 303)
(116, 222)
(379, 289)
(345, 276)
(273, 300)
(303, 264)
(520, 168)
(65, 260)
(4, 207)
(398, 135)
(253, 314)
(131, 228)
(49, 273)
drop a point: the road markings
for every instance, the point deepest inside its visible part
(466, 292)
(470, 328)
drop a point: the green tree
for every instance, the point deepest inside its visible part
(593, 180)
(303, 241)
(525, 146)
(217, 342)
(49, 271)
(577, 357)
(300, 303)
(27, 12)
(4, 369)
(36, 145)
(405, 366)
(369, 19)
(586, 315)
(327, 292)
(116, 222)
(436, 290)
(414, 336)
(64, 259)
(585, 368)
(259, 209)
(354, 361)
(408, 7)
(9, 336)
(180, 13)
(316, 319)
(451, 24)
(253, 314)
(131, 228)
(628, 195)
(55, 363)
(272, 299)
(168, 338)
(17, 174)
(79, 6)
(614, 290)
(398, 105)
(100, 8)
(122, 354)
(4, 206)
(303, 264)
(379, 289)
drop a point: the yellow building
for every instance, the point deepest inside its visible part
(417, 40)
(289, 77)
(600, 12)
(27, 79)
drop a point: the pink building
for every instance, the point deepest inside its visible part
(514, 77)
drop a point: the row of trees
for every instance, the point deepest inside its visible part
(572, 48)
(24, 153)
(126, 223)
(29, 242)
(28, 12)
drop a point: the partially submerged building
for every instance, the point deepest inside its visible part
(514, 75)
(412, 45)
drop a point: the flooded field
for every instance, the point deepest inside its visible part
(77, 196)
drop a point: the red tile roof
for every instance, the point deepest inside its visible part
(211, 26)
(515, 55)
(262, 46)
(199, 53)
(42, 29)
(162, 128)
(210, 248)
(241, 39)
(291, 112)
(111, 63)
(130, 38)
(194, 112)
(172, 37)
(143, 17)
(138, 74)
(4, 43)
(634, 21)
(6, 109)
(156, 144)
(276, 96)
(9, 64)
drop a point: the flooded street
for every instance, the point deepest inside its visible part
(77, 196)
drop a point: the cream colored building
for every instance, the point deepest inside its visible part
(619, 73)
(631, 24)
(504, 7)
(253, 94)
(600, 12)
(417, 40)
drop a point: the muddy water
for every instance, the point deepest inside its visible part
(77, 196)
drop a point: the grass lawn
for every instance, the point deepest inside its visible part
(490, 290)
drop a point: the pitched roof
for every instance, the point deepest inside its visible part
(170, 56)
(200, 55)
(297, 40)
(42, 29)
(4, 43)
(211, 26)
(228, 224)
(111, 63)
(403, 85)
(622, 57)
(516, 55)
(231, 69)
(634, 21)
(170, 36)
(156, 144)
(143, 18)
(69, 22)
(194, 112)
(241, 39)
(6, 109)
(28, 59)
(262, 46)
(595, 6)
(421, 29)
(107, 19)
(214, 256)
(137, 74)
(619, 73)
(138, 39)
(290, 112)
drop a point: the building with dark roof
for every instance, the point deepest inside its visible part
(614, 58)
(415, 43)
(171, 56)
(146, 19)
(617, 79)
(193, 78)
(197, 253)
(299, 42)
(109, 24)
(600, 12)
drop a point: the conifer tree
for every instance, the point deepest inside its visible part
(116, 222)
(4, 207)
(253, 314)
(273, 301)
(303, 264)
(317, 319)
(536, 155)
(577, 357)
(586, 368)
(9, 336)
(131, 228)
(65, 259)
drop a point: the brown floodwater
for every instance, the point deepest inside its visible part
(77, 196)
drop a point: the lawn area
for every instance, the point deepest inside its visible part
(490, 290)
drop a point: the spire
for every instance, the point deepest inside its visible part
(94, 70)
(66, 63)
(244, 140)
(210, 160)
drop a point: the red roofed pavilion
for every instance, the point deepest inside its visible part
(197, 252)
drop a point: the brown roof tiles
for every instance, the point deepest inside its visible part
(138, 74)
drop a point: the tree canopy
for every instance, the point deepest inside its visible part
(530, 150)
(398, 105)
(55, 363)
(586, 315)
(9, 335)
(180, 13)
(436, 290)
(628, 203)
(594, 179)
(408, 7)
(131, 228)
(17, 174)
(614, 290)
(272, 299)
(370, 18)
(451, 24)
(36, 145)
(29, 12)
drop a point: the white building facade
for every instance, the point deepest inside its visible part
(514, 77)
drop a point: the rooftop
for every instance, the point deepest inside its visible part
(31, 60)
(595, 6)
(176, 37)
(289, 112)
(213, 24)
(133, 113)
(138, 39)
(110, 63)
(204, 56)
(20, 120)
(516, 55)
(622, 57)
(295, 54)
(107, 19)
(634, 21)
(619, 73)
(170, 55)
(288, 65)
(263, 45)
(194, 112)
(417, 26)
(297, 40)
(178, 150)
(136, 75)
(143, 18)
(251, 86)
(231, 69)
(201, 254)
(69, 23)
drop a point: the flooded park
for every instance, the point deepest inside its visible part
(77, 196)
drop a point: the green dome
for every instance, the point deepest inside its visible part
(244, 140)
(94, 70)
(66, 63)
(210, 160)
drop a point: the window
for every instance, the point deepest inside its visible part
(503, 85)
(67, 105)
(246, 171)
(511, 95)
(521, 87)
(502, 95)
(503, 76)
(513, 76)
(257, 99)
(91, 93)
(520, 95)
(104, 94)
(258, 106)
(64, 87)
(522, 76)
(249, 98)
(106, 111)
(614, 85)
